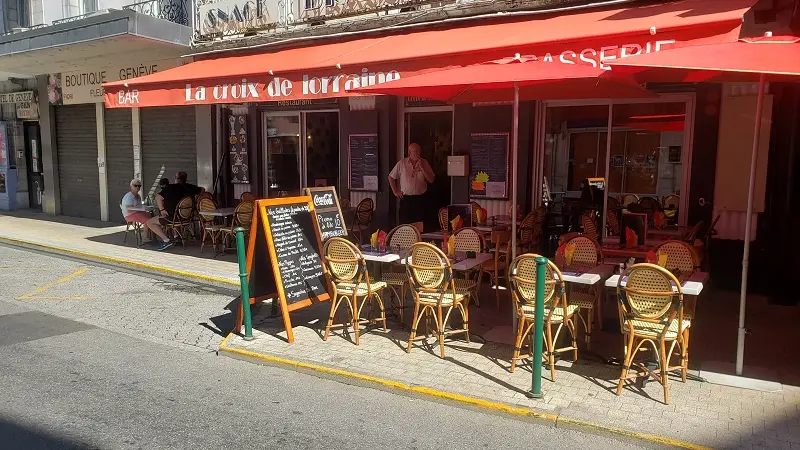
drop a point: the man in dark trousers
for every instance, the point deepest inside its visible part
(409, 182)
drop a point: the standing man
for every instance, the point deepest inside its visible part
(409, 181)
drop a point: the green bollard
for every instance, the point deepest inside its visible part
(538, 327)
(248, 320)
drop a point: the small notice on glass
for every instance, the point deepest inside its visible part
(370, 183)
(495, 189)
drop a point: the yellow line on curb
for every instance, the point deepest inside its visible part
(485, 404)
(120, 261)
(57, 297)
(52, 284)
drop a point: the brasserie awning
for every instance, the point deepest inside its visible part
(592, 37)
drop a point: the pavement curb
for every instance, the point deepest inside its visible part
(557, 420)
(120, 262)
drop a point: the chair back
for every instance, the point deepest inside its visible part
(501, 239)
(672, 201)
(530, 229)
(469, 240)
(247, 197)
(443, 218)
(364, 210)
(419, 226)
(681, 256)
(587, 251)
(184, 209)
(243, 215)
(344, 261)
(429, 270)
(649, 204)
(651, 294)
(694, 232)
(589, 227)
(612, 222)
(204, 194)
(206, 204)
(613, 204)
(627, 199)
(402, 237)
(344, 203)
(522, 278)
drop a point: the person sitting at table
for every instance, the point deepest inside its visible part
(166, 201)
(133, 199)
(189, 189)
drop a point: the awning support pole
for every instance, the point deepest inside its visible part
(515, 150)
(762, 81)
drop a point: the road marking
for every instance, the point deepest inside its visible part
(41, 297)
(25, 268)
(35, 294)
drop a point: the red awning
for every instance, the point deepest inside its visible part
(776, 56)
(495, 81)
(593, 37)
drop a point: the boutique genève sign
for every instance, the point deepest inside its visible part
(86, 86)
(304, 86)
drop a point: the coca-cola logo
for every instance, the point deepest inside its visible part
(324, 200)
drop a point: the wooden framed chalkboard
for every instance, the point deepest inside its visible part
(363, 168)
(329, 213)
(488, 165)
(284, 259)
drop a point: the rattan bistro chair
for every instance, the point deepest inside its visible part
(681, 257)
(242, 217)
(435, 295)
(587, 255)
(443, 219)
(400, 239)
(469, 240)
(651, 312)
(557, 312)
(362, 219)
(496, 267)
(208, 227)
(181, 222)
(350, 282)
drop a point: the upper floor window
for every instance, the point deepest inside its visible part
(313, 4)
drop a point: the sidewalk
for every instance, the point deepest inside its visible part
(94, 241)
(700, 414)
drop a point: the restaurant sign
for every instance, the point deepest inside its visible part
(17, 97)
(28, 111)
(228, 17)
(86, 86)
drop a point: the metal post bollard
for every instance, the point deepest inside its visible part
(248, 320)
(538, 327)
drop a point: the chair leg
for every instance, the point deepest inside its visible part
(627, 363)
(357, 318)
(684, 346)
(440, 329)
(465, 316)
(574, 332)
(551, 359)
(383, 311)
(663, 363)
(414, 324)
(334, 306)
(598, 303)
(589, 325)
(518, 343)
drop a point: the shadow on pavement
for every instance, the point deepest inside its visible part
(15, 435)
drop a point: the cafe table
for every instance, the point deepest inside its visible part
(466, 263)
(655, 242)
(617, 251)
(591, 277)
(219, 212)
(143, 208)
(691, 286)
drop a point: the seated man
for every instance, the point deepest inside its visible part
(189, 189)
(133, 198)
(166, 201)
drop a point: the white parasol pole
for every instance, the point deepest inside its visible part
(604, 230)
(762, 81)
(514, 149)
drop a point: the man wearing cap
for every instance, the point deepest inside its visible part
(409, 182)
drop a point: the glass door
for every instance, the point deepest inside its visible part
(433, 131)
(283, 151)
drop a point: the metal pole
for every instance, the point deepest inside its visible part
(248, 320)
(762, 81)
(608, 170)
(513, 181)
(538, 328)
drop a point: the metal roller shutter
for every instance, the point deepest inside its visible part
(168, 144)
(76, 140)
(119, 158)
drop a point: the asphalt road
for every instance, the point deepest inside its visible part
(93, 383)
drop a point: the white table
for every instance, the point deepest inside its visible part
(614, 240)
(436, 236)
(143, 208)
(591, 276)
(469, 263)
(221, 212)
(692, 286)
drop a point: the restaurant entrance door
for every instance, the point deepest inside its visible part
(432, 129)
(301, 149)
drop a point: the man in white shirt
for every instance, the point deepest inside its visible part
(409, 182)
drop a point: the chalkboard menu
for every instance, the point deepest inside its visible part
(329, 214)
(284, 256)
(363, 162)
(488, 161)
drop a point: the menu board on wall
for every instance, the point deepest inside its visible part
(363, 162)
(488, 161)
(237, 142)
(329, 213)
(284, 256)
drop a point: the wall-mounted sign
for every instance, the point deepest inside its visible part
(28, 111)
(363, 162)
(17, 97)
(86, 86)
(488, 165)
(229, 17)
(237, 142)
